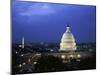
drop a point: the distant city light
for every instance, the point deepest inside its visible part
(78, 60)
(20, 45)
(51, 50)
(29, 60)
(24, 63)
(35, 62)
(38, 54)
(20, 65)
(22, 55)
(90, 50)
(65, 61)
(16, 52)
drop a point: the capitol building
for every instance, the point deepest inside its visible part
(68, 41)
(68, 47)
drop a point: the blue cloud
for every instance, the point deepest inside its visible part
(36, 9)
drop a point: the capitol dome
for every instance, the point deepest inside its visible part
(67, 41)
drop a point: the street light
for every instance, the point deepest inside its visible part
(71, 56)
(63, 56)
(78, 55)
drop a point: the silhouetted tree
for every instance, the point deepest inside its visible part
(49, 63)
(88, 63)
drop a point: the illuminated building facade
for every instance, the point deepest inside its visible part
(68, 41)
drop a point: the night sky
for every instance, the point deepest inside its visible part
(46, 22)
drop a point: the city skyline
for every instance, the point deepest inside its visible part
(46, 22)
